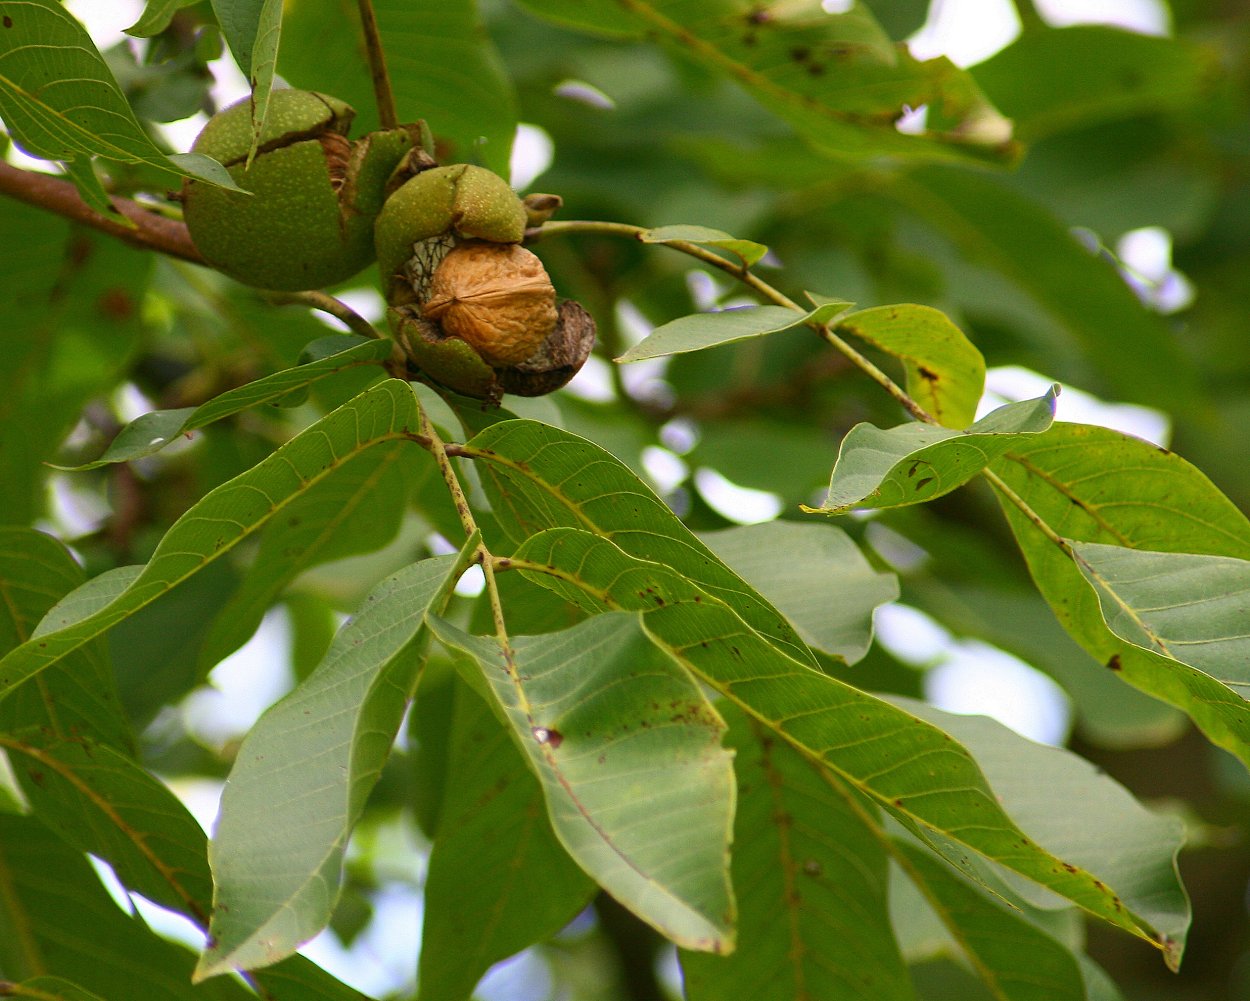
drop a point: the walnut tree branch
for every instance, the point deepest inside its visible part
(150, 231)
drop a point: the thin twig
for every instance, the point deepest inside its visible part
(754, 282)
(326, 303)
(1021, 505)
(383, 96)
(54, 194)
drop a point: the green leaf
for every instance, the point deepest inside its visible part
(498, 879)
(61, 102)
(538, 477)
(1082, 815)
(151, 432)
(1092, 484)
(1186, 607)
(707, 330)
(1018, 960)
(442, 64)
(745, 250)
(812, 882)
(824, 585)
(91, 190)
(838, 80)
(101, 801)
(252, 29)
(945, 372)
(627, 749)
(157, 16)
(1126, 74)
(223, 518)
(915, 771)
(300, 979)
(78, 696)
(915, 463)
(58, 916)
(306, 768)
(356, 510)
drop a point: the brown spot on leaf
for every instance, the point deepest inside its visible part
(8, 21)
(928, 374)
(1114, 662)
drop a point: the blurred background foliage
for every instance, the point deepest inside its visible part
(1114, 256)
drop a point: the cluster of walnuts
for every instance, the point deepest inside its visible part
(473, 309)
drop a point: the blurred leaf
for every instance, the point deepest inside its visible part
(914, 463)
(222, 519)
(1125, 73)
(824, 586)
(49, 989)
(306, 769)
(945, 372)
(78, 697)
(1136, 356)
(57, 916)
(836, 78)
(151, 432)
(105, 803)
(498, 879)
(1093, 484)
(1185, 607)
(705, 330)
(157, 16)
(443, 69)
(61, 102)
(745, 250)
(627, 750)
(812, 883)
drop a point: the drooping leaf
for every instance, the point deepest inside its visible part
(627, 749)
(914, 463)
(252, 29)
(539, 477)
(1081, 815)
(945, 372)
(442, 65)
(306, 769)
(60, 101)
(58, 916)
(824, 585)
(1127, 74)
(1093, 484)
(498, 879)
(300, 979)
(1020, 961)
(812, 884)
(707, 330)
(157, 16)
(1187, 607)
(747, 251)
(223, 518)
(915, 771)
(150, 432)
(103, 802)
(837, 79)
(77, 698)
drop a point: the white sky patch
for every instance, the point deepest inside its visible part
(1146, 256)
(665, 469)
(1013, 382)
(471, 583)
(532, 153)
(742, 505)
(1150, 17)
(524, 977)
(243, 685)
(593, 382)
(967, 31)
(381, 959)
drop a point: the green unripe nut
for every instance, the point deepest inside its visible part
(308, 221)
(433, 211)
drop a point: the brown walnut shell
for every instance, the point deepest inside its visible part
(497, 297)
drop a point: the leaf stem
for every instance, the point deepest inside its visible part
(383, 96)
(1021, 505)
(754, 282)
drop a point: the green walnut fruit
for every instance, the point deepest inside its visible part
(315, 194)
